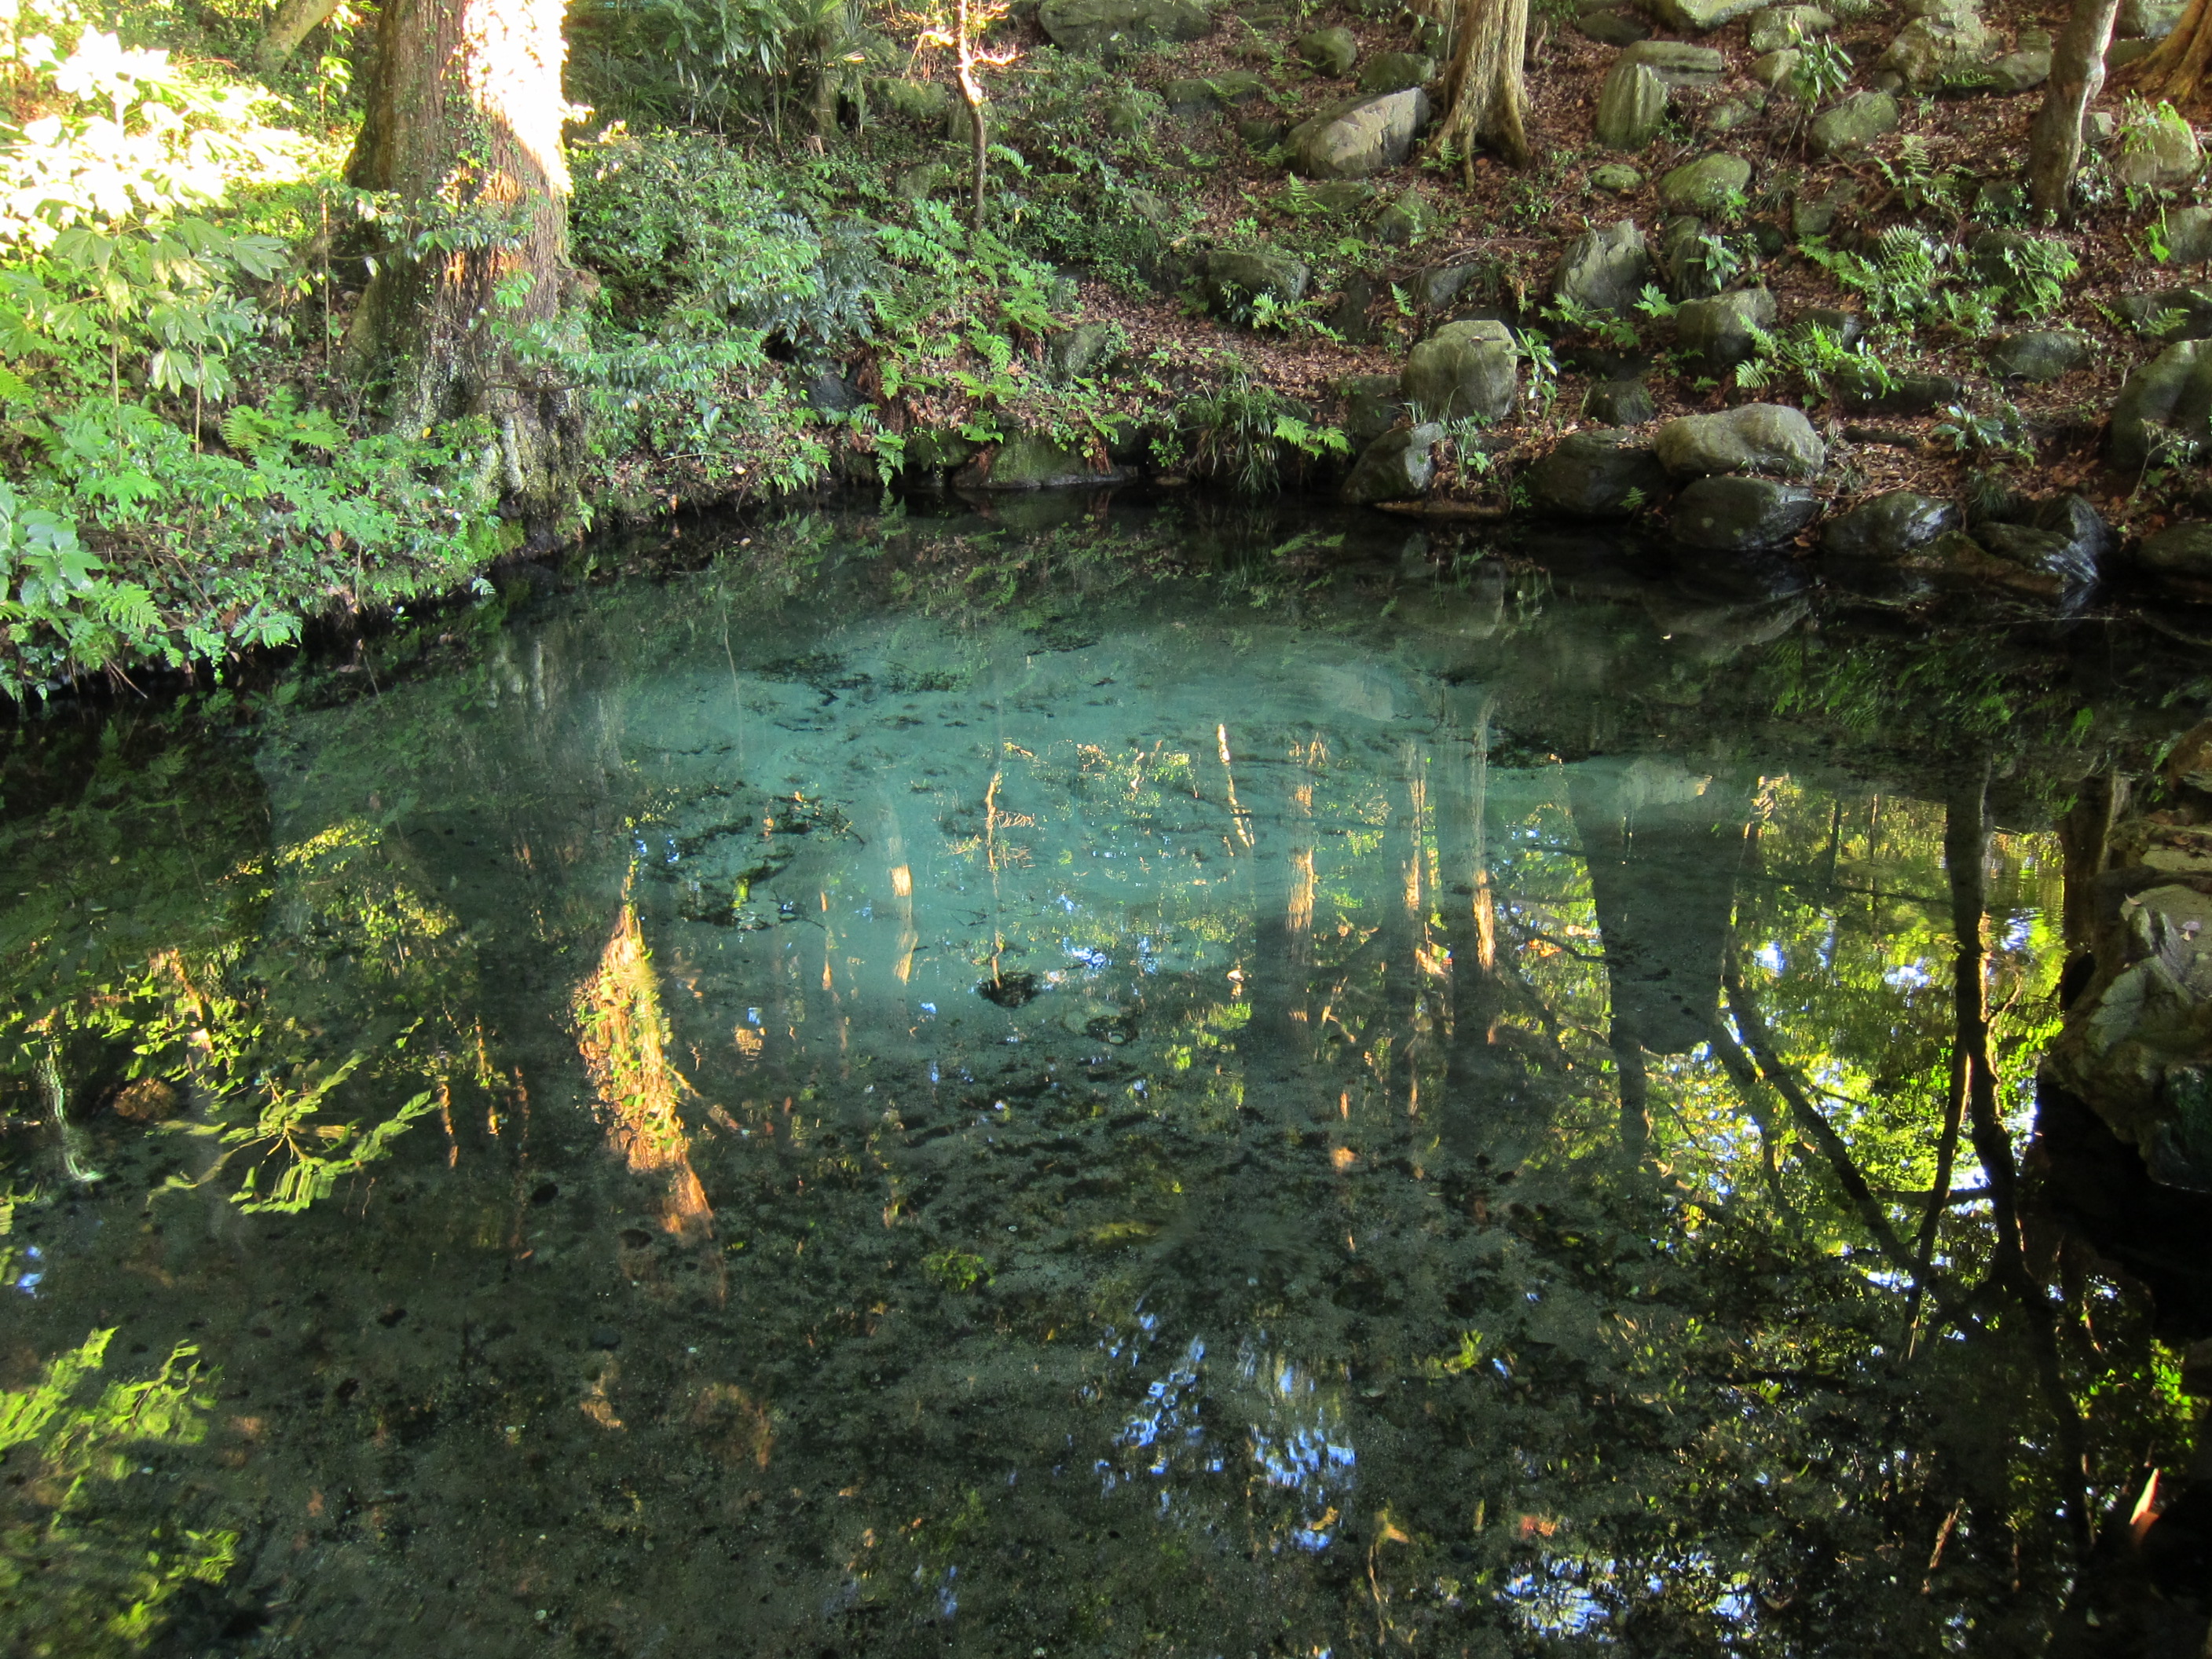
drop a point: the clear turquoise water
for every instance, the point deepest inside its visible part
(1164, 1115)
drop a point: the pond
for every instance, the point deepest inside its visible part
(1142, 1086)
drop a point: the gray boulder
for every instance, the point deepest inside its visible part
(1682, 258)
(1353, 140)
(2041, 561)
(2159, 151)
(2189, 311)
(1863, 390)
(1780, 27)
(1854, 123)
(1632, 106)
(1740, 516)
(1030, 460)
(2179, 557)
(1676, 64)
(1700, 16)
(1469, 369)
(1604, 270)
(1395, 71)
(2084, 528)
(1116, 28)
(1720, 331)
(1213, 91)
(1931, 49)
(1597, 475)
(2038, 355)
(1773, 69)
(2017, 71)
(2148, 19)
(1372, 404)
(1753, 437)
(2165, 405)
(1086, 348)
(2189, 236)
(1329, 52)
(1395, 467)
(1617, 177)
(1614, 26)
(1889, 526)
(1619, 402)
(1705, 184)
(1235, 279)
(1403, 221)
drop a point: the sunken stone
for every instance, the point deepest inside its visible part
(1741, 515)
(1889, 526)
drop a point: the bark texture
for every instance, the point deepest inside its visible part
(463, 126)
(1484, 96)
(2077, 76)
(295, 20)
(2176, 69)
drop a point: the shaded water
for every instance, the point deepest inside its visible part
(1405, 1110)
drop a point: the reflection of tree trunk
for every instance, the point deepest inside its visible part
(1479, 1072)
(2084, 834)
(1966, 850)
(1401, 973)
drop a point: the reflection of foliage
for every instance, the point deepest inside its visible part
(76, 1577)
(957, 1270)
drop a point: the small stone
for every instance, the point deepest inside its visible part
(1934, 47)
(1395, 71)
(1706, 185)
(1854, 123)
(1750, 438)
(1261, 133)
(1632, 106)
(1701, 16)
(1339, 196)
(1604, 270)
(1779, 26)
(916, 184)
(2179, 557)
(1844, 327)
(2157, 150)
(1597, 475)
(1816, 215)
(1465, 370)
(1031, 460)
(1863, 392)
(1116, 28)
(1619, 402)
(1235, 279)
(2037, 356)
(1438, 286)
(1683, 256)
(1728, 117)
(2118, 57)
(1676, 64)
(931, 451)
(1331, 52)
(2187, 314)
(2189, 236)
(1611, 27)
(1353, 315)
(1618, 177)
(1403, 221)
(1889, 526)
(1721, 331)
(1362, 137)
(1395, 467)
(2042, 562)
(2016, 72)
(1773, 69)
(1740, 516)
(1086, 348)
(1213, 92)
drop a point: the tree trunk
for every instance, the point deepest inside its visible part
(295, 20)
(2077, 75)
(2176, 68)
(463, 126)
(1484, 93)
(971, 94)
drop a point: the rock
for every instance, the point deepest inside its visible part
(2189, 236)
(1889, 526)
(1719, 331)
(1213, 92)
(2000, 200)
(1331, 52)
(1700, 16)
(1403, 221)
(1618, 177)
(2179, 557)
(1438, 286)
(1780, 27)
(2042, 562)
(1597, 475)
(1845, 328)
(1932, 48)
(1773, 69)
(1728, 116)
(930, 451)
(1353, 317)
(1030, 460)
(1334, 196)
(1816, 215)
(2164, 405)
(1372, 404)
(148, 1100)
(1604, 270)
(2148, 19)
(1262, 133)
(1622, 27)
(1676, 64)
(1619, 402)
(1235, 279)
(1854, 123)
(1863, 392)
(2189, 312)
(2080, 525)
(1739, 515)
(2016, 72)
(1362, 137)
(1752, 438)
(926, 103)
(1632, 106)
(917, 183)
(1396, 71)
(2118, 57)
(1116, 28)
(1130, 110)
(1395, 467)
(1470, 369)
(1682, 256)
(1086, 348)
(2039, 355)
(1996, 256)
(1706, 185)
(2158, 150)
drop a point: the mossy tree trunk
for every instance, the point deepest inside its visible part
(2077, 75)
(463, 126)
(295, 20)
(2176, 69)
(1485, 94)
